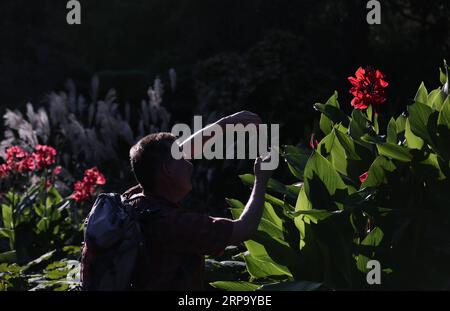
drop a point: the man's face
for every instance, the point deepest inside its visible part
(180, 173)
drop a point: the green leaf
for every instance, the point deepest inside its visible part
(8, 257)
(335, 114)
(291, 286)
(44, 258)
(348, 145)
(7, 233)
(373, 239)
(358, 127)
(43, 225)
(316, 215)
(377, 172)
(436, 99)
(413, 141)
(325, 123)
(422, 94)
(419, 119)
(395, 152)
(392, 132)
(444, 114)
(235, 286)
(296, 159)
(7, 216)
(272, 185)
(260, 269)
(401, 123)
(235, 204)
(322, 183)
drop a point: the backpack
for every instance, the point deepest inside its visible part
(113, 241)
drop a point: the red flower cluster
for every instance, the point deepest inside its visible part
(368, 88)
(84, 189)
(18, 160)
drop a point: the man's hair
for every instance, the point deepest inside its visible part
(148, 155)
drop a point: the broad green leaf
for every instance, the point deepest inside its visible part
(401, 123)
(419, 118)
(7, 216)
(395, 152)
(413, 141)
(272, 185)
(260, 269)
(421, 95)
(444, 114)
(377, 172)
(316, 215)
(335, 114)
(332, 150)
(392, 132)
(348, 145)
(325, 123)
(296, 159)
(43, 225)
(44, 258)
(235, 286)
(322, 168)
(235, 204)
(373, 239)
(358, 127)
(6, 233)
(436, 99)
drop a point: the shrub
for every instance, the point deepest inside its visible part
(368, 190)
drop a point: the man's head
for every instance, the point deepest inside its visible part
(156, 170)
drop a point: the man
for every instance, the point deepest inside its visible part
(176, 239)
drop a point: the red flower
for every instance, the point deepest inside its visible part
(44, 156)
(367, 88)
(313, 143)
(82, 191)
(56, 170)
(85, 188)
(15, 152)
(94, 177)
(16, 160)
(363, 177)
(20, 161)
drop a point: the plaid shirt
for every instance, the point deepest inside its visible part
(176, 242)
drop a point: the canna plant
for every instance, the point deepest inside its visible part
(35, 218)
(367, 190)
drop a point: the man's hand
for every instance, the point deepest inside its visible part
(247, 224)
(262, 176)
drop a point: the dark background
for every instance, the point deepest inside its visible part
(128, 43)
(276, 58)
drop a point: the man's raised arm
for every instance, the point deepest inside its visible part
(247, 224)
